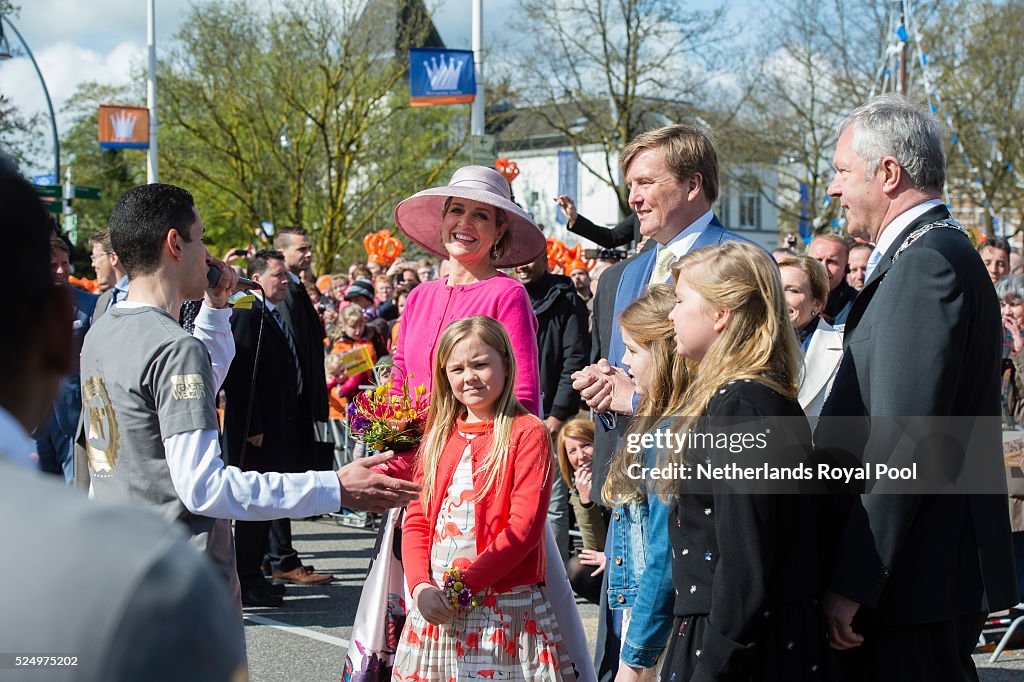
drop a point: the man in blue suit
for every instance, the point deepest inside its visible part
(54, 439)
(672, 175)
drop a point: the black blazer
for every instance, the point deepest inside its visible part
(275, 411)
(628, 230)
(923, 338)
(298, 313)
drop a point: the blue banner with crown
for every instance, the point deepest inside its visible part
(441, 76)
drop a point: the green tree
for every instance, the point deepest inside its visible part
(599, 71)
(819, 62)
(19, 137)
(112, 170)
(978, 86)
(298, 115)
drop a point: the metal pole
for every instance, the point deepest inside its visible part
(152, 174)
(904, 52)
(49, 104)
(477, 120)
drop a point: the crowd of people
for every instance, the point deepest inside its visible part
(548, 379)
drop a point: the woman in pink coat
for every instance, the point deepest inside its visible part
(473, 222)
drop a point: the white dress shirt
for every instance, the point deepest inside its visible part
(681, 244)
(891, 231)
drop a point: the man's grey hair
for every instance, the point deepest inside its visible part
(890, 125)
(1010, 288)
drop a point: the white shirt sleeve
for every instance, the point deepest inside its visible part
(213, 328)
(208, 488)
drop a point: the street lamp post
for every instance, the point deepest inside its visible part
(5, 53)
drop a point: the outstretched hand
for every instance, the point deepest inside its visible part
(367, 490)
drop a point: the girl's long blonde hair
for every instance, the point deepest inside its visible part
(758, 342)
(444, 408)
(646, 321)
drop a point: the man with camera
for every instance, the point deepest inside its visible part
(149, 392)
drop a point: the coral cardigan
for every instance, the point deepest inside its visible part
(509, 519)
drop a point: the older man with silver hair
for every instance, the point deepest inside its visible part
(914, 575)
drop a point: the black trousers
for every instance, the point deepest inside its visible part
(932, 652)
(280, 554)
(250, 546)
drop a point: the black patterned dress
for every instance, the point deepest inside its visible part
(746, 568)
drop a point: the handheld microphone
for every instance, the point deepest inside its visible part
(213, 276)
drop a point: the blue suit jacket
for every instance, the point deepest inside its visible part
(638, 271)
(68, 405)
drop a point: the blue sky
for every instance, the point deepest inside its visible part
(81, 40)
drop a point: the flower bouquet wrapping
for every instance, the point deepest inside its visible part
(385, 421)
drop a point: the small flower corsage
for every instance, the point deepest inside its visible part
(455, 589)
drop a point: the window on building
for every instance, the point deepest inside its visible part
(750, 210)
(724, 209)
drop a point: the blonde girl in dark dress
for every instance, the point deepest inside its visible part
(745, 566)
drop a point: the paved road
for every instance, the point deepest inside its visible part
(305, 640)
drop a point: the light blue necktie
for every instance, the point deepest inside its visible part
(873, 259)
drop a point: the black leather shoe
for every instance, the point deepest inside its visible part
(258, 596)
(276, 590)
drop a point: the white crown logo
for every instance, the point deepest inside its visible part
(443, 76)
(123, 124)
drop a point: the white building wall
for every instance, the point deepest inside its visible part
(537, 186)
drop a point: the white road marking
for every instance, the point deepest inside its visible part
(296, 630)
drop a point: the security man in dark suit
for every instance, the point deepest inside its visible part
(272, 418)
(301, 319)
(55, 437)
(914, 575)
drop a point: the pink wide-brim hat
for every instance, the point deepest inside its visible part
(419, 217)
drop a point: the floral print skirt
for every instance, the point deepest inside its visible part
(510, 636)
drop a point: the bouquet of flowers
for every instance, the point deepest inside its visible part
(383, 421)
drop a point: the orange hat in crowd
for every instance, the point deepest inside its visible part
(90, 285)
(382, 248)
(559, 255)
(323, 283)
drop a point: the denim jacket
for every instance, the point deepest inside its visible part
(640, 574)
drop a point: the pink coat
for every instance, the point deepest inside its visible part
(434, 305)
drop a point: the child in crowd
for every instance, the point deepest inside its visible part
(575, 454)
(347, 335)
(746, 563)
(639, 566)
(351, 331)
(473, 544)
